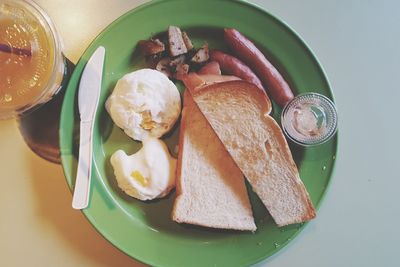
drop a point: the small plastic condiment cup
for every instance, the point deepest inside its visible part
(309, 119)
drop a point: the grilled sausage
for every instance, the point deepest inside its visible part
(244, 49)
(233, 66)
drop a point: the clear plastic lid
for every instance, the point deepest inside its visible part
(32, 65)
(309, 119)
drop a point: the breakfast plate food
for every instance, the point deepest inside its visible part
(147, 229)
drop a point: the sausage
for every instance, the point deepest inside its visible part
(244, 49)
(233, 66)
(211, 67)
(194, 81)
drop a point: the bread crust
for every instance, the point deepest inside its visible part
(178, 171)
(259, 94)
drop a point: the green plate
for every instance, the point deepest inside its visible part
(144, 230)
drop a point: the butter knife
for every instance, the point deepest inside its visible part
(88, 99)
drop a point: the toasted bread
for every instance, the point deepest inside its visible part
(238, 113)
(210, 189)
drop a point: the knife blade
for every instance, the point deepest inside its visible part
(88, 99)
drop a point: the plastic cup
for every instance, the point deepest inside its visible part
(32, 65)
(309, 119)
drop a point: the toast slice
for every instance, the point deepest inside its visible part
(210, 188)
(238, 113)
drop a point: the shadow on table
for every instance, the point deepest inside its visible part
(53, 206)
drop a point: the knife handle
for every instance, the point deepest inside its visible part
(80, 198)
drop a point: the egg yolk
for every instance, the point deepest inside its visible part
(139, 177)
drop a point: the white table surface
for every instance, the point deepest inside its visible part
(358, 44)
